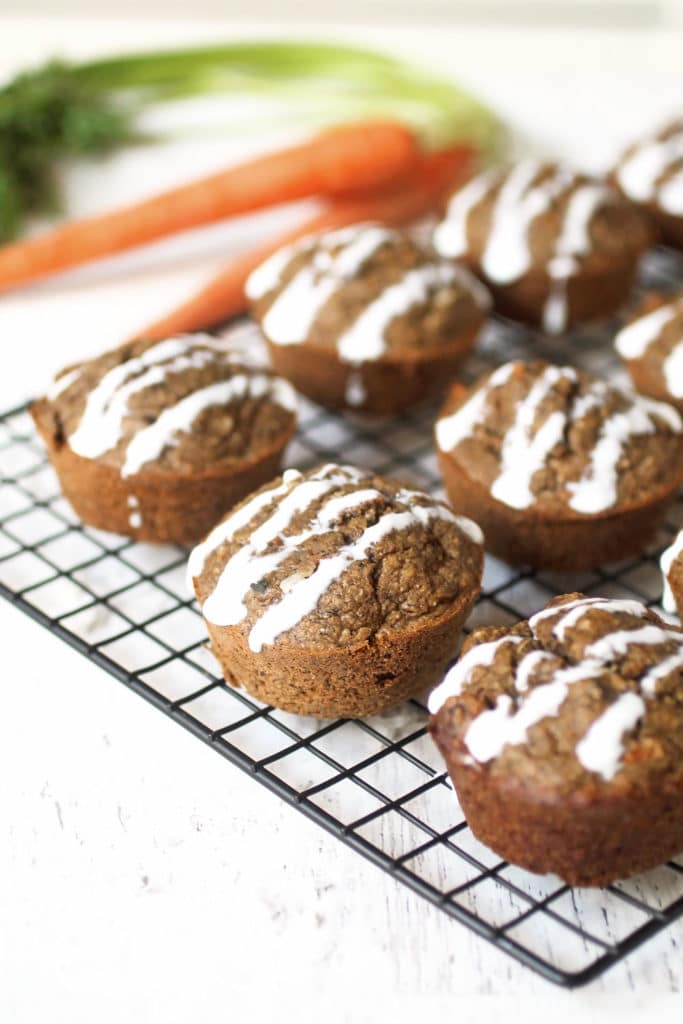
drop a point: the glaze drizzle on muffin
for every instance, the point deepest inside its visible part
(547, 663)
(652, 171)
(536, 432)
(505, 243)
(296, 283)
(274, 549)
(656, 337)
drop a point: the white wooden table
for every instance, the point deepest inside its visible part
(143, 878)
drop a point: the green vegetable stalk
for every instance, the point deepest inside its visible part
(65, 110)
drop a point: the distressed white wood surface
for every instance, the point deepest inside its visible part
(145, 879)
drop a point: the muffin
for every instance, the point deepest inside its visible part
(336, 592)
(563, 736)
(556, 248)
(650, 175)
(672, 570)
(366, 318)
(560, 470)
(651, 345)
(157, 441)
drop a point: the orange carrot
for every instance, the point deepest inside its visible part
(363, 155)
(223, 297)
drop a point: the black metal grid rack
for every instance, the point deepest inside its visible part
(377, 784)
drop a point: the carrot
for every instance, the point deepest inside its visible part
(223, 297)
(363, 155)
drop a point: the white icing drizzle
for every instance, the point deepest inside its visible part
(524, 453)
(291, 315)
(507, 256)
(227, 528)
(528, 666)
(666, 563)
(61, 383)
(450, 236)
(671, 195)
(460, 673)
(609, 647)
(355, 393)
(597, 488)
(225, 605)
(633, 341)
(454, 428)
(600, 750)
(555, 316)
(303, 597)
(573, 611)
(640, 173)
(135, 518)
(574, 241)
(150, 442)
(268, 274)
(672, 368)
(501, 726)
(365, 339)
(252, 562)
(674, 663)
(101, 425)
(354, 501)
(293, 312)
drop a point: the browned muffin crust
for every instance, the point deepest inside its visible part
(650, 175)
(559, 469)
(651, 345)
(337, 592)
(157, 440)
(366, 317)
(564, 738)
(555, 248)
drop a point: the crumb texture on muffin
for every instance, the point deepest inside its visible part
(365, 291)
(177, 406)
(652, 345)
(559, 441)
(588, 692)
(333, 558)
(532, 217)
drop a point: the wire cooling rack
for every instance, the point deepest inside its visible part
(377, 784)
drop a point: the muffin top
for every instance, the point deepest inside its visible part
(178, 406)
(587, 693)
(651, 172)
(655, 335)
(367, 291)
(556, 439)
(532, 216)
(671, 564)
(334, 557)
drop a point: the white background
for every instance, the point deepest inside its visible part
(143, 878)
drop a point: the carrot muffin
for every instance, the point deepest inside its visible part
(672, 571)
(556, 248)
(561, 470)
(157, 441)
(651, 345)
(563, 736)
(365, 317)
(650, 175)
(336, 592)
